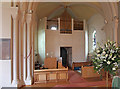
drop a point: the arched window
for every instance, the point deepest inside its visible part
(94, 39)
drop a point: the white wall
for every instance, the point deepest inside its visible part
(96, 22)
(76, 40)
(41, 41)
(5, 24)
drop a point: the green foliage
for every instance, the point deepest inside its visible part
(107, 58)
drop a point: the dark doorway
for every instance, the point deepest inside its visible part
(66, 54)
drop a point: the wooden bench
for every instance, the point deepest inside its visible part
(89, 72)
(80, 64)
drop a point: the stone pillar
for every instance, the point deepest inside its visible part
(25, 51)
(118, 32)
(15, 14)
(21, 48)
(29, 49)
(33, 42)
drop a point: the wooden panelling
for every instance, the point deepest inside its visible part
(89, 72)
(79, 64)
(50, 75)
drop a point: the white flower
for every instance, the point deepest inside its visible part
(111, 42)
(113, 68)
(113, 59)
(110, 56)
(114, 45)
(105, 60)
(96, 67)
(108, 62)
(106, 55)
(98, 51)
(117, 48)
(98, 55)
(106, 45)
(104, 52)
(112, 51)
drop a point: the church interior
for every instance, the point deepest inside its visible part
(51, 44)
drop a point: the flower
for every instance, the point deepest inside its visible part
(106, 45)
(108, 62)
(111, 42)
(117, 48)
(106, 55)
(98, 55)
(105, 60)
(114, 45)
(113, 68)
(104, 52)
(98, 51)
(113, 59)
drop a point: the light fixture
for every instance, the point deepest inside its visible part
(30, 11)
(53, 28)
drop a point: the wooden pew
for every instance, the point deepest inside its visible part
(80, 64)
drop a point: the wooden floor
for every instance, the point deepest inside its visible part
(52, 84)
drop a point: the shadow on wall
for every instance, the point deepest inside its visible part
(40, 59)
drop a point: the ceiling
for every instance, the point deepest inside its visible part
(78, 10)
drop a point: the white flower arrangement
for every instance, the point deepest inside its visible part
(107, 57)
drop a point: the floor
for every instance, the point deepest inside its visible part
(73, 78)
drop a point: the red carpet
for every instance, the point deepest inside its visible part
(87, 84)
(76, 80)
(75, 77)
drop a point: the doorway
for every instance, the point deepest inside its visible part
(66, 54)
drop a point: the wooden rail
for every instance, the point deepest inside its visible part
(50, 75)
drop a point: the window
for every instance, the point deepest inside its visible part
(5, 49)
(94, 39)
(52, 24)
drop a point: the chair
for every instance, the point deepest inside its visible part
(50, 63)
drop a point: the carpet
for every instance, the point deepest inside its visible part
(75, 77)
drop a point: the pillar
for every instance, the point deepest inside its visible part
(25, 51)
(33, 38)
(21, 48)
(15, 15)
(29, 49)
(118, 31)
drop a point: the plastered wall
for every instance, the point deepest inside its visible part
(41, 41)
(76, 40)
(96, 22)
